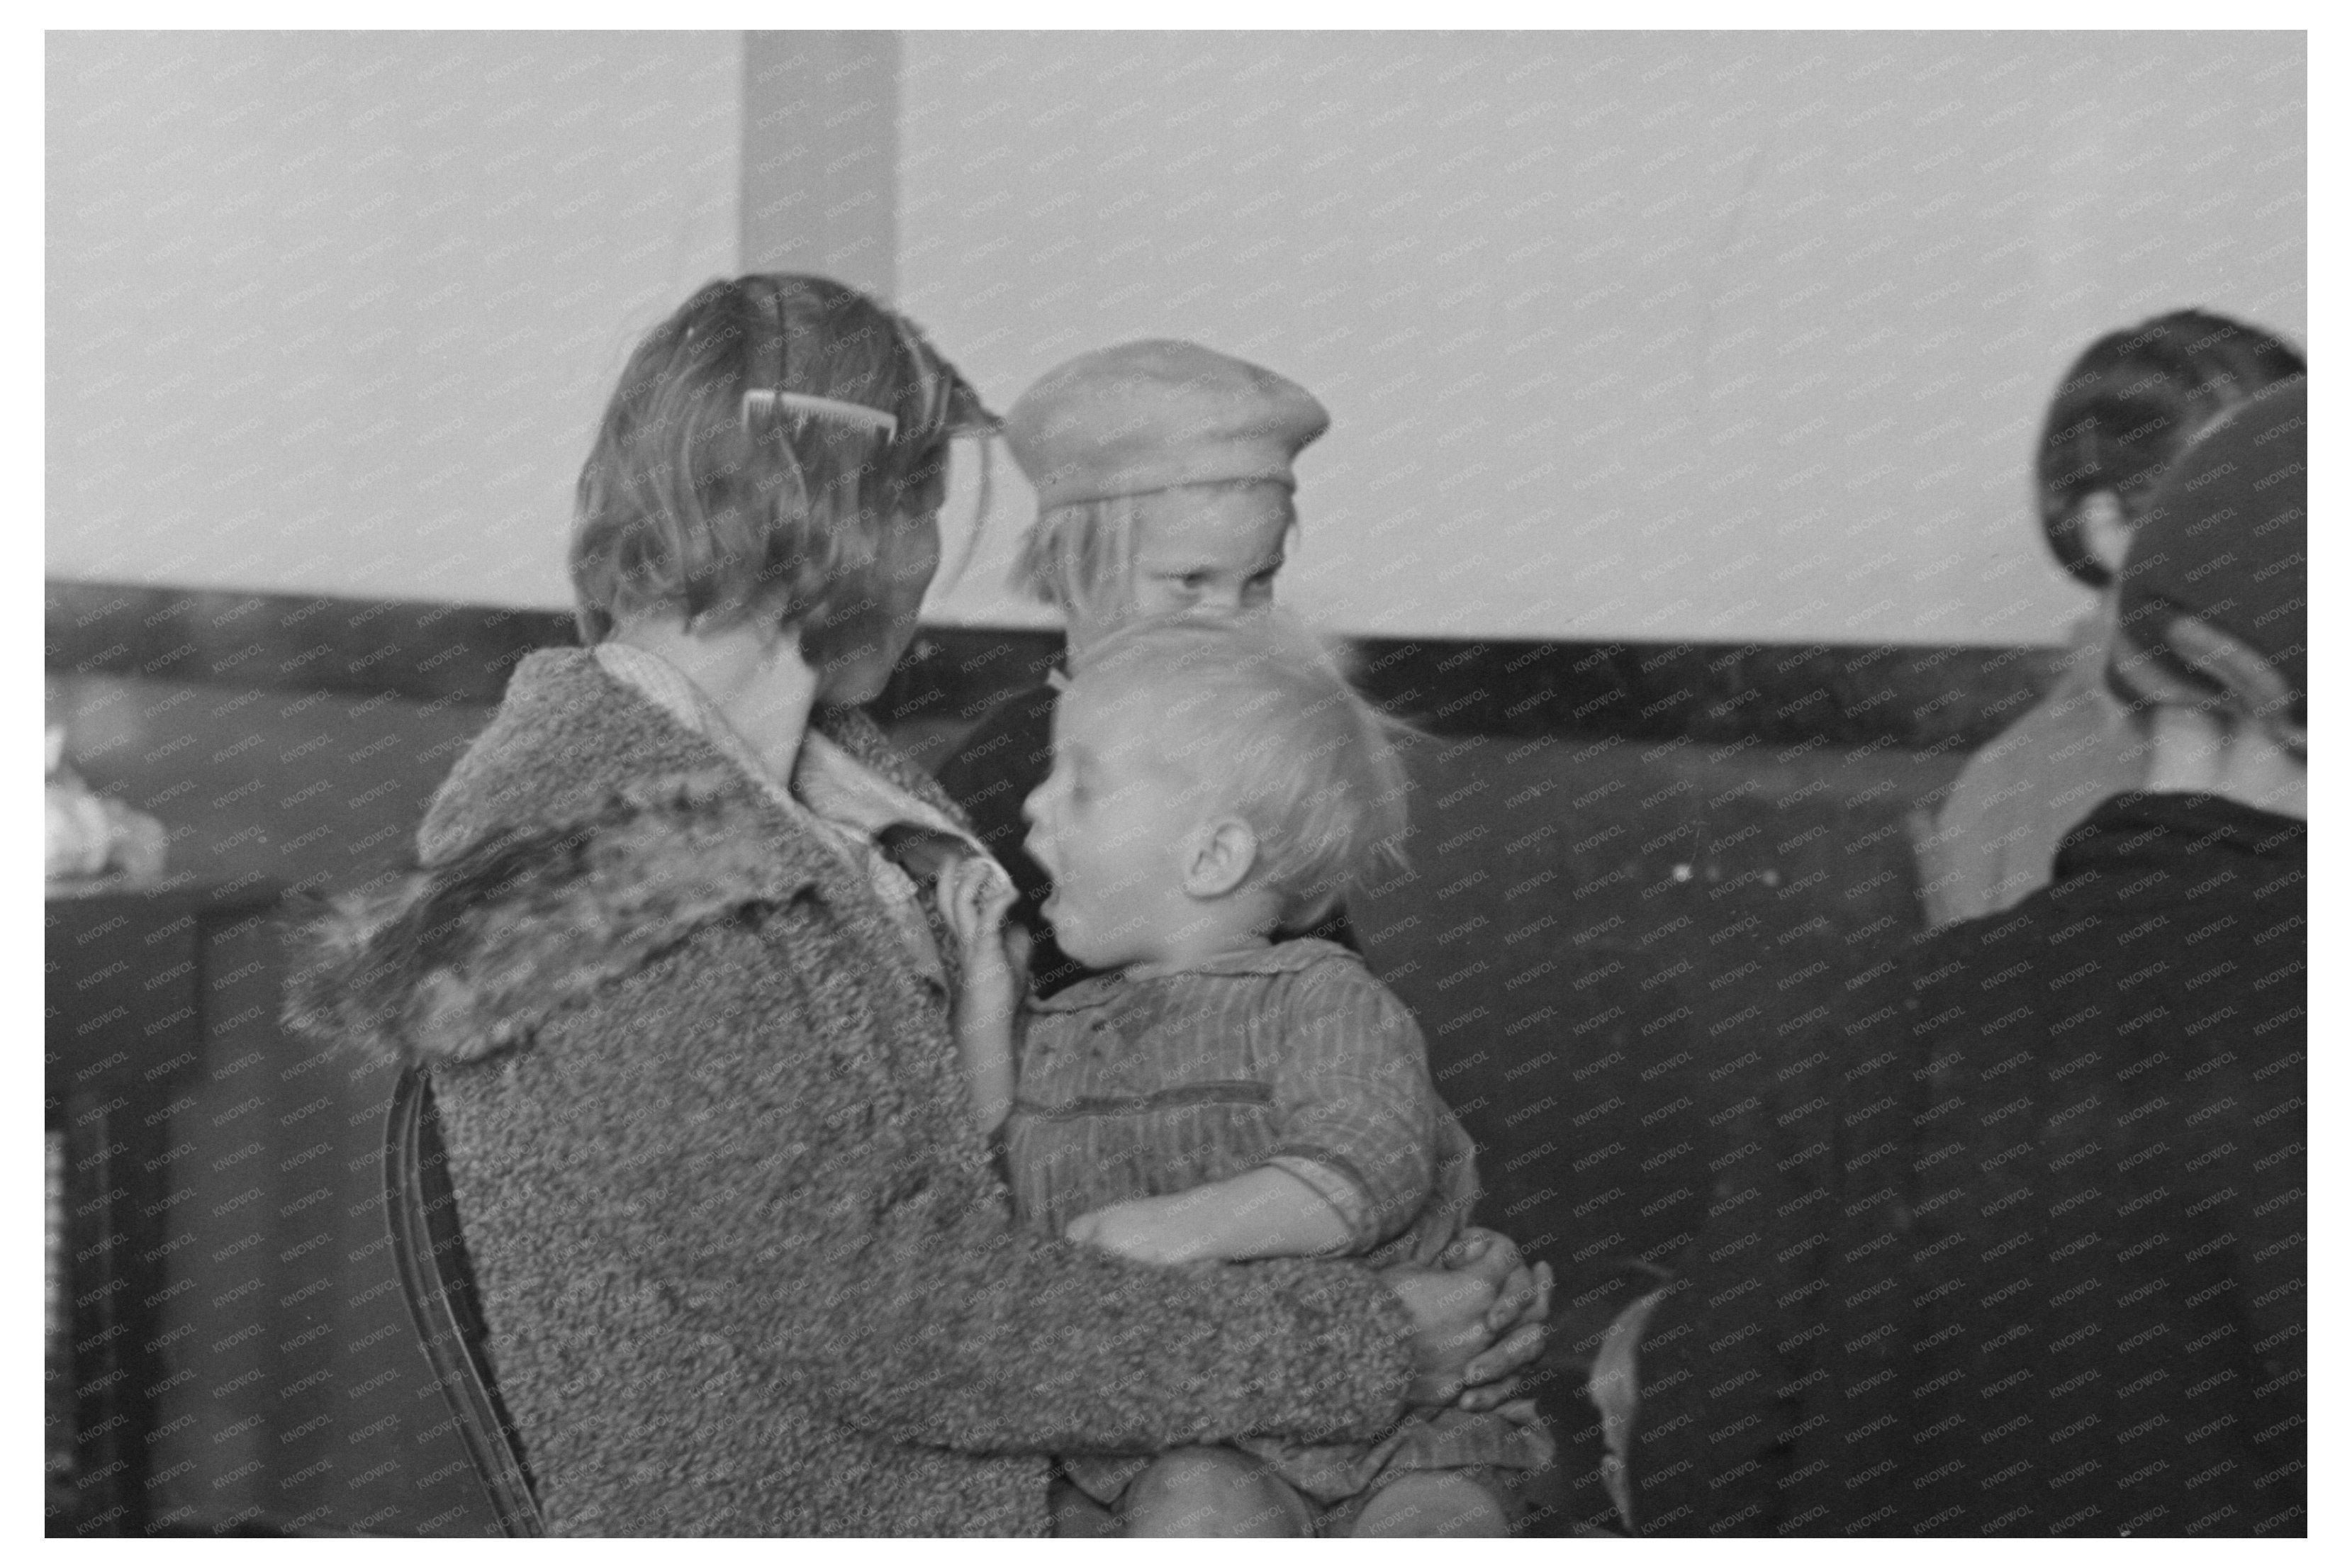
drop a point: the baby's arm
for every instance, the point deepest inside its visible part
(1265, 1212)
(1356, 1157)
(974, 896)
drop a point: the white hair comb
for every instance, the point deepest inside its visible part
(766, 400)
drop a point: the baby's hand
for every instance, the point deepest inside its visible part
(1148, 1230)
(974, 896)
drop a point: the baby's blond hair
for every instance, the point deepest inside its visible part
(1261, 712)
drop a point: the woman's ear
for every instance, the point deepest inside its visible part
(2105, 529)
(1224, 853)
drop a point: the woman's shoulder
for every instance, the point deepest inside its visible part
(582, 831)
(563, 735)
(466, 956)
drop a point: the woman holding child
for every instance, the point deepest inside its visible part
(730, 1185)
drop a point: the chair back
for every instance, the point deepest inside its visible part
(436, 1279)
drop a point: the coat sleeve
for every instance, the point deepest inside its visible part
(791, 1196)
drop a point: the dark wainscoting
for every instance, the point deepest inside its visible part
(287, 642)
(1777, 694)
(1774, 694)
(1628, 860)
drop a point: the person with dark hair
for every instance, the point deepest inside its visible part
(2130, 403)
(2018, 1246)
(747, 1262)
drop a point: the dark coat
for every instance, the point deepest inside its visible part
(2018, 1248)
(748, 1268)
(1007, 756)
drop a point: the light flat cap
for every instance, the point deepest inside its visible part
(1153, 414)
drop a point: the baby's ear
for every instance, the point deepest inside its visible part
(1224, 853)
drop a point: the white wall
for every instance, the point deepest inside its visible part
(337, 312)
(1645, 336)
(1713, 336)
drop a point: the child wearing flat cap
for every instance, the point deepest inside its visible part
(1164, 484)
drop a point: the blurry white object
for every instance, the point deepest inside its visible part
(87, 836)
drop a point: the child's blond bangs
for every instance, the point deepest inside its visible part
(1077, 558)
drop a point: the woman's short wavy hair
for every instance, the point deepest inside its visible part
(2130, 403)
(700, 502)
(1263, 715)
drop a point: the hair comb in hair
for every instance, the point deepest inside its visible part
(763, 400)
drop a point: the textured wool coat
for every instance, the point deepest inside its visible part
(747, 1265)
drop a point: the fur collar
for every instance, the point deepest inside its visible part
(583, 832)
(465, 958)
